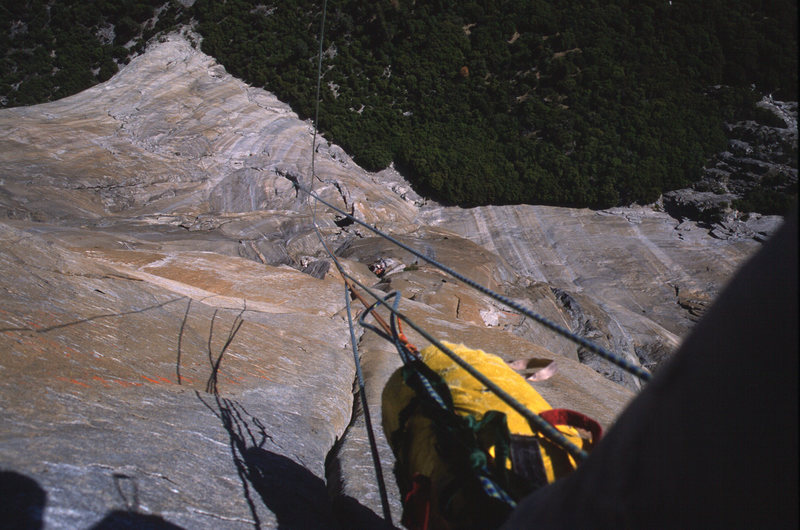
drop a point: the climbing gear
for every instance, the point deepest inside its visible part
(588, 345)
(464, 457)
(478, 494)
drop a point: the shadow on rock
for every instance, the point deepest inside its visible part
(297, 497)
(22, 501)
(126, 519)
(352, 514)
(130, 517)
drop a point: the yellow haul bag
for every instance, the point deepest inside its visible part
(427, 442)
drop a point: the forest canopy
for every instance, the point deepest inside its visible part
(582, 102)
(53, 49)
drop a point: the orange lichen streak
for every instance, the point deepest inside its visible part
(380, 320)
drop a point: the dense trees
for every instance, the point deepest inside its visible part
(53, 49)
(586, 102)
(583, 102)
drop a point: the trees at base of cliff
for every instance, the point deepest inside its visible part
(571, 104)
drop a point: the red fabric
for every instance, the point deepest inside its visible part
(417, 504)
(574, 419)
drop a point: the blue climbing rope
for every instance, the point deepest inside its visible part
(536, 422)
(623, 363)
(376, 460)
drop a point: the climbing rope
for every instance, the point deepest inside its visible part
(393, 329)
(373, 445)
(376, 460)
(536, 422)
(623, 363)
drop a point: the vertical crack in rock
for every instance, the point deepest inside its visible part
(609, 335)
(349, 467)
(334, 477)
(343, 193)
(347, 200)
(295, 179)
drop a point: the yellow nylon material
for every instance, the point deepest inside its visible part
(471, 397)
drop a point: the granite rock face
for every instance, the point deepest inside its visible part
(137, 381)
(173, 340)
(620, 275)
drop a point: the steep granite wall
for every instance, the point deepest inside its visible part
(165, 357)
